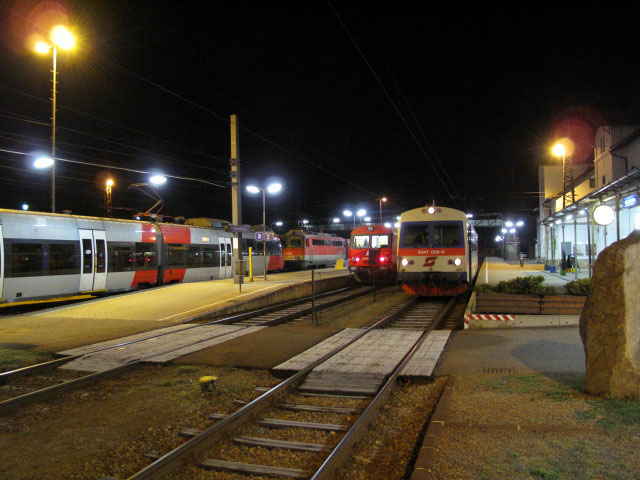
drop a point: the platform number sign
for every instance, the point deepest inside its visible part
(261, 236)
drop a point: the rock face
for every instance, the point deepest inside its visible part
(610, 322)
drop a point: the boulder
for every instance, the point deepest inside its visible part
(610, 322)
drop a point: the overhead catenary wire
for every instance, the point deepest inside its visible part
(393, 104)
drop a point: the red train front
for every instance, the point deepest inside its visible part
(373, 247)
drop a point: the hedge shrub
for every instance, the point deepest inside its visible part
(519, 286)
(578, 287)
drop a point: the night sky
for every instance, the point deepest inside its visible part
(341, 101)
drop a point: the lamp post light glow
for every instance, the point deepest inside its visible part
(336, 220)
(43, 162)
(349, 213)
(61, 37)
(272, 189)
(158, 179)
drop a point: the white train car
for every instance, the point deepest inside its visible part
(44, 255)
(437, 251)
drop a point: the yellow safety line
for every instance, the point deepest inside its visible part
(48, 300)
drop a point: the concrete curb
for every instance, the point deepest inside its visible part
(429, 448)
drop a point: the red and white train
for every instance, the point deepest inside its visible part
(44, 255)
(373, 247)
(437, 251)
(304, 250)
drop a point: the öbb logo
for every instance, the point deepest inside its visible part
(429, 261)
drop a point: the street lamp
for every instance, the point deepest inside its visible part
(361, 213)
(383, 199)
(349, 213)
(568, 193)
(272, 189)
(108, 204)
(62, 38)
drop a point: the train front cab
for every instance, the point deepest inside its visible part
(294, 252)
(433, 257)
(372, 246)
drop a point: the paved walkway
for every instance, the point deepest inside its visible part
(496, 270)
(513, 350)
(121, 315)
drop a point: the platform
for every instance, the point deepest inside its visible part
(128, 314)
(496, 270)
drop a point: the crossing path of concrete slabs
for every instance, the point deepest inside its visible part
(172, 343)
(377, 353)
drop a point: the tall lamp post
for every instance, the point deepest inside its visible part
(60, 37)
(568, 195)
(383, 199)
(273, 189)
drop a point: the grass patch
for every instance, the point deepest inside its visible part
(542, 473)
(185, 369)
(611, 414)
(515, 384)
(13, 359)
(559, 388)
(166, 383)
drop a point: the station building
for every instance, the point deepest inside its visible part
(571, 223)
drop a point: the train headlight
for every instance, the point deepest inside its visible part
(405, 262)
(357, 259)
(431, 210)
(383, 259)
(457, 262)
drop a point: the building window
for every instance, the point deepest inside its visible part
(602, 144)
(592, 183)
(604, 180)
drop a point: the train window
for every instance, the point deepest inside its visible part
(146, 256)
(379, 241)
(87, 255)
(176, 255)
(295, 242)
(101, 254)
(229, 255)
(121, 257)
(62, 259)
(449, 235)
(211, 256)
(360, 241)
(274, 248)
(26, 259)
(415, 234)
(194, 257)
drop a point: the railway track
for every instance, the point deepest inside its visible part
(324, 458)
(268, 316)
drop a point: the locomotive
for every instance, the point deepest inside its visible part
(437, 251)
(373, 247)
(45, 255)
(305, 250)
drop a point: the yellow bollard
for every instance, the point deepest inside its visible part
(251, 264)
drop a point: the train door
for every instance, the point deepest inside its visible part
(223, 258)
(1, 261)
(93, 271)
(228, 270)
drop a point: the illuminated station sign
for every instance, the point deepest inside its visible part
(630, 201)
